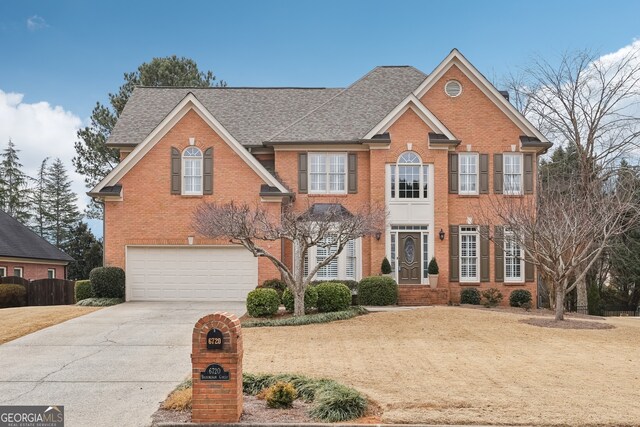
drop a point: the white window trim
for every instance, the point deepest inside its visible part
(21, 271)
(182, 172)
(476, 233)
(327, 172)
(477, 160)
(53, 271)
(3, 271)
(395, 172)
(312, 253)
(424, 238)
(504, 174)
(507, 279)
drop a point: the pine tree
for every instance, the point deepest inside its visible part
(14, 185)
(62, 206)
(85, 249)
(40, 215)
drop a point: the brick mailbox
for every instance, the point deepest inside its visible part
(216, 360)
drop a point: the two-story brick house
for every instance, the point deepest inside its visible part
(430, 148)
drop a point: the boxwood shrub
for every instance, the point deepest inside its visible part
(310, 299)
(520, 298)
(333, 297)
(351, 284)
(83, 290)
(262, 302)
(107, 282)
(470, 296)
(378, 290)
(276, 284)
(12, 296)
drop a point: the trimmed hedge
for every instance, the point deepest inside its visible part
(83, 290)
(385, 267)
(333, 296)
(307, 319)
(262, 302)
(107, 282)
(276, 284)
(12, 296)
(520, 298)
(433, 267)
(310, 299)
(470, 296)
(351, 284)
(100, 302)
(378, 290)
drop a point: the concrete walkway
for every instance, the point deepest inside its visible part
(110, 367)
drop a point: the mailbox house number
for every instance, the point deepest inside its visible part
(214, 372)
(214, 339)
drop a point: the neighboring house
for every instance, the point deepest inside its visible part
(431, 148)
(25, 254)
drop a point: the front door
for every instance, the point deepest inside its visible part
(409, 261)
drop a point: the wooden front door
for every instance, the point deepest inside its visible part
(409, 260)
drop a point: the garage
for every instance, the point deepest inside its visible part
(190, 273)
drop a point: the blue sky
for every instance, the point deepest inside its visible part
(59, 57)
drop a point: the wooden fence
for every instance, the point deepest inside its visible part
(45, 291)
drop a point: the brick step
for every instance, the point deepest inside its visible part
(412, 295)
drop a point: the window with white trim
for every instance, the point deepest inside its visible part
(513, 258)
(409, 177)
(469, 254)
(18, 271)
(512, 174)
(3, 271)
(192, 171)
(468, 173)
(51, 273)
(327, 173)
(343, 267)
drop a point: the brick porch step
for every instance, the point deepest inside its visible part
(422, 295)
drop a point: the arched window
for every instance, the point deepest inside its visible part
(192, 171)
(409, 177)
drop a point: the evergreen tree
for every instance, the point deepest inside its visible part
(14, 188)
(85, 249)
(40, 216)
(63, 209)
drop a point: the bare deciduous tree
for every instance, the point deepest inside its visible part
(323, 225)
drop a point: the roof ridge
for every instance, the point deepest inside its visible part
(240, 87)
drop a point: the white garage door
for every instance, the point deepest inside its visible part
(156, 273)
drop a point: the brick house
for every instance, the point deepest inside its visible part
(25, 254)
(431, 148)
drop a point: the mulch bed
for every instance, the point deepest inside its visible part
(545, 322)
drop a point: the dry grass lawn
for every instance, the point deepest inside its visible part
(19, 321)
(452, 365)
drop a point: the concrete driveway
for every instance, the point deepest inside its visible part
(111, 367)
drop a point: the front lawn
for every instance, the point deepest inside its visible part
(19, 321)
(454, 365)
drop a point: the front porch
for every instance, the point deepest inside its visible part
(415, 295)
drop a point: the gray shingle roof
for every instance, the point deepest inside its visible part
(256, 115)
(18, 241)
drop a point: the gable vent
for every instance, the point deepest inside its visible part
(453, 88)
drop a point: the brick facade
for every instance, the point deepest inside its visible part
(32, 270)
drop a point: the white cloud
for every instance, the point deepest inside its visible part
(40, 130)
(35, 23)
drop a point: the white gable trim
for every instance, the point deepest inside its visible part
(190, 102)
(456, 58)
(418, 107)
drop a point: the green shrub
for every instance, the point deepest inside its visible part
(492, 297)
(385, 267)
(351, 284)
(281, 395)
(276, 284)
(308, 319)
(433, 267)
(333, 297)
(470, 296)
(100, 302)
(83, 290)
(107, 282)
(519, 298)
(310, 299)
(12, 296)
(378, 290)
(262, 302)
(336, 402)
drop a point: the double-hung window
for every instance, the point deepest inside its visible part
(342, 267)
(192, 171)
(469, 254)
(18, 271)
(513, 258)
(51, 273)
(3, 271)
(468, 173)
(512, 173)
(329, 271)
(327, 173)
(409, 177)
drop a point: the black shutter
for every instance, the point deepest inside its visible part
(207, 171)
(454, 268)
(176, 173)
(528, 173)
(529, 271)
(497, 173)
(484, 253)
(453, 173)
(353, 173)
(302, 173)
(499, 253)
(484, 173)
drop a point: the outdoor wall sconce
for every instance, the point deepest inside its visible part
(378, 235)
(441, 234)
